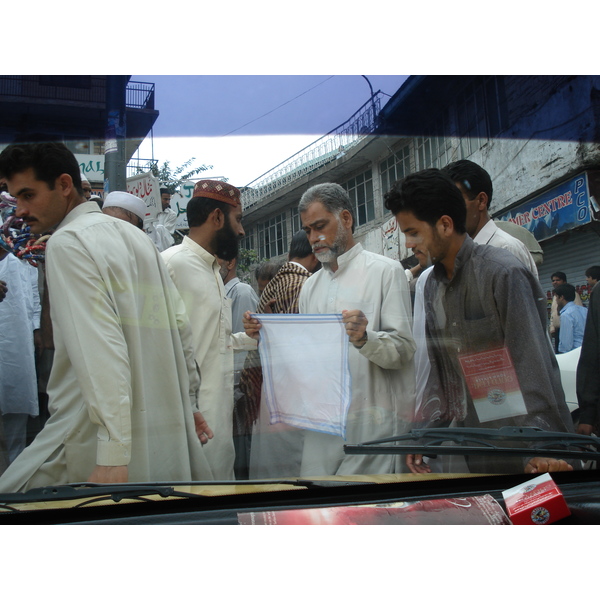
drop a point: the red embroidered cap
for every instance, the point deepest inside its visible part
(217, 190)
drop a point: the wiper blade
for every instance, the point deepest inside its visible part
(78, 491)
(118, 492)
(480, 441)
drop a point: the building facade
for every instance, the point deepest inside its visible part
(537, 136)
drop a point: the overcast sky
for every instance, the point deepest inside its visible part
(245, 125)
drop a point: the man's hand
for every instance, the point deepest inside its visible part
(109, 475)
(356, 326)
(251, 326)
(3, 290)
(203, 431)
(583, 429)
(547, 465)
(416, 465)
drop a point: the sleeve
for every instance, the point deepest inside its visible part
(391, 344)
(83, 311)
(185, 333)
(565, 336)
(588, 371)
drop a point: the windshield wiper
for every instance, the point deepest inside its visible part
(480, 441)
(141, 491)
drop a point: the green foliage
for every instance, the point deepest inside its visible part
(246, 263)
(171, 178)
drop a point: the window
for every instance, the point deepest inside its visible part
(272, 237)
(395, 167)
(360, 190)
(296, 221)
(480, 111)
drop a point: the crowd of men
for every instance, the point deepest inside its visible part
(156, 369)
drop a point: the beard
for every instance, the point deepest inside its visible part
(227, 242)
(336, 249)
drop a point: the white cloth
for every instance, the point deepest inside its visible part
(383, 385)
(123, 383)
(19, 317)
(317, 395)
(196, 275)
(491, 235)
(159, 235)
(167, 218)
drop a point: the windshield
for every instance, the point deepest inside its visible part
(250, 292)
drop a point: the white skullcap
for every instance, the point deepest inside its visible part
(127, 201)
(83, 178)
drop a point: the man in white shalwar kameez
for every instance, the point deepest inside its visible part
(215, 219)
(371, 291)
(19, 319)
(123, 386)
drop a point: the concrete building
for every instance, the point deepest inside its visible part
(76, 110)
(537, 136)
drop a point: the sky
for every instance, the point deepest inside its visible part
(244, 125)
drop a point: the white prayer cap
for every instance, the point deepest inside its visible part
(127, 201)
(83, 178)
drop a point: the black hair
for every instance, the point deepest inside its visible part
(164, 190)
(199, 208)
(429, 195)
(593, 272)
(300, 246)
(566, 290)
(473, 178)
(49, 160)
(560, 275)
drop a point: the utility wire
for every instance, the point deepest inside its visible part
(278, 107)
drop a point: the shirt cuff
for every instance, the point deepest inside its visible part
(113, 454)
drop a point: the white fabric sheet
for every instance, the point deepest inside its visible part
(306, 377)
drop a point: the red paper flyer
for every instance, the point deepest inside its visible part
(493, 385)
(475, 510)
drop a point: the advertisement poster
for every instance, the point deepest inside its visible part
(146, 187)
(564, 207)
(476, 510)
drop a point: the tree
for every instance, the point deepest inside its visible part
(173, 179)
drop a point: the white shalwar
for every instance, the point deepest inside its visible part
(124, 383)
(196, 275)
(383, 382)
(19, 317)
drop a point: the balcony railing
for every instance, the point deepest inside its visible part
(140, 95)
(327, 148)
(135, 166)
(79, 88)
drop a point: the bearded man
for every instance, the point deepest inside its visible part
(214, 216)
(371, 292)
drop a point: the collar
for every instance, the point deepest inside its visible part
(79, 210)
(291, 262)
(567, 305)
(464, 255)
(487, 232)
(231, 283)
(345, 258)
(207, 257)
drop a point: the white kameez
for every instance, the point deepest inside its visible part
(123, 383)
(195, 273)
(383, 382)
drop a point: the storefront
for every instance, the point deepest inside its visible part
(564, 219)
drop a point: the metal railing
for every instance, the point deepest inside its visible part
(135, 166)
(80, 88)
(139, 95)
(327, 148)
